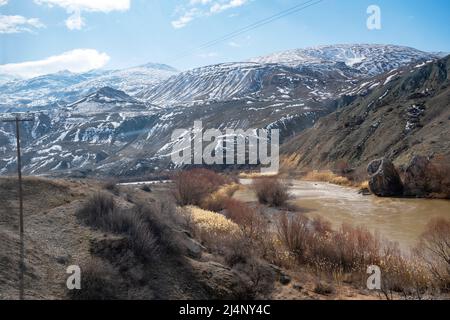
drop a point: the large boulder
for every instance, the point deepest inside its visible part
(424, 177)
(384, 179)
(417, 177)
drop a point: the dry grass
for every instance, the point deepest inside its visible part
(217, 200)
(211, 227)
(364, 185)
(271, 191)
(254, 175)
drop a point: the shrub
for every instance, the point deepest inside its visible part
(271, 191)
(97, 211)
(217, 201)
(211, 227)
(294, 233)
(111, 186)
(101, 213)
(434, 250)
(98, 282)
(192, 186)
(250, 220)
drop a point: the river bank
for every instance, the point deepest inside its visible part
(398, 219)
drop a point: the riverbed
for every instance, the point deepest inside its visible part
(397, 219)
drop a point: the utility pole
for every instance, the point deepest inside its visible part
(18, 120)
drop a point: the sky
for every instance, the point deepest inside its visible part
(46, 36)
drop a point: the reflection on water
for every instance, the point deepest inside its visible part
(401, 220)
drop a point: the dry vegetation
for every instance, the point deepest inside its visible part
(141, 246)
(434, 250)
(242, 234)
(271, 191)
(193, 186)
(328, 176)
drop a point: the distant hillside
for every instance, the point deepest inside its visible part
(400, 114)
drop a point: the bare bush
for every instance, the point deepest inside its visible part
(194, 185)
(350, 250)
(101, 213)
(294, 233)
(98, 282)
(250, 220)
(434, 250)
(97, 211)
(111, 186)
(271, 191)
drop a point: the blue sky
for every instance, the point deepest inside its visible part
(85, 34)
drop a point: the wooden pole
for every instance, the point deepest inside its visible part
(17, 121)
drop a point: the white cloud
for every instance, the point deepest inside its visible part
(187, 17)
(219, 7)
(200, 8)
(16, 24)
(89, 5)
(3, 2)
(78, 60)
(75, 21)
(76, 7)
(234, 44)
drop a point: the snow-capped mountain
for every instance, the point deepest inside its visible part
(97, 129)
(317, 73)
(130, 80)
(66, 87)
(368, 59)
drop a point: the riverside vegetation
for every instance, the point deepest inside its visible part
(192, 239)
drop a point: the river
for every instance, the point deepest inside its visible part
(397, 219)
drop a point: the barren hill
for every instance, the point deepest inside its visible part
(398, 115)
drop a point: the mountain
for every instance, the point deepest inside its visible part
(132, 80)
(368, 59)
(5, 78)
(65, 87)
(316, 73)
(107, 131)
(263, 82)
(400, 114)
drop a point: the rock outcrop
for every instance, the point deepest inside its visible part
(425, 177)
(384, 178)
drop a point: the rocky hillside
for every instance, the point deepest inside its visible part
(55, 238)
(403, 113)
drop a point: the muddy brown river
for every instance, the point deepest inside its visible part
(400, 220)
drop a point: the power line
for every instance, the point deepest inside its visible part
(255, 25)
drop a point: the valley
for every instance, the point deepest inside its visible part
(104, 123)
(364, 137)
